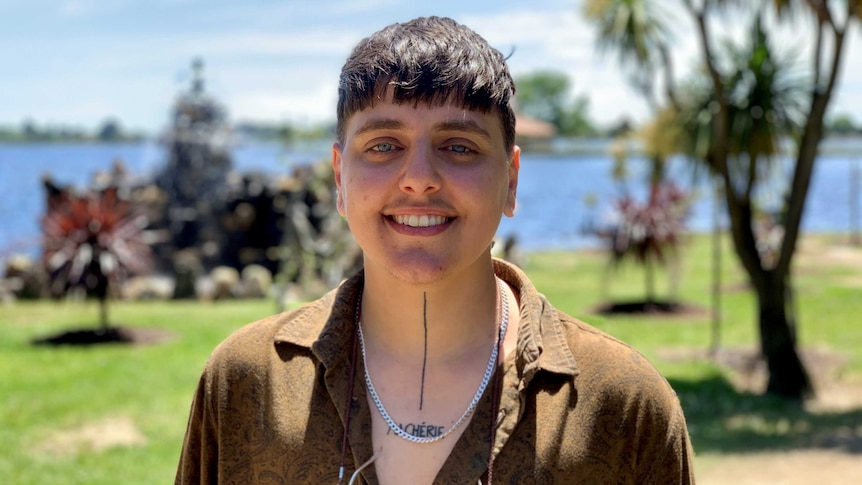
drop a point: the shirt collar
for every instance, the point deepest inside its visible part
(326, 326)
(542, 345)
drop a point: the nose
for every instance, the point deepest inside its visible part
(420, 174)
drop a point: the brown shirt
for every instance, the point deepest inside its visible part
(576, 406)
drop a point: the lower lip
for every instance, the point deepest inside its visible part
(418, 231)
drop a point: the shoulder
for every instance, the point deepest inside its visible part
(602, 366)
(617, 383)
(610, 366)
(594, 347)
(254, 345)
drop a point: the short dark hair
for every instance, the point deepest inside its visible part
(430, 60)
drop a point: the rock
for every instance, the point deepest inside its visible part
(7, 296)
(256, 281)
(25, 279)
(152, 287)
(187, 270)
(225, 282)
(17, 265)
(204, 288)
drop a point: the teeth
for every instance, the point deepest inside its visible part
(420, 221)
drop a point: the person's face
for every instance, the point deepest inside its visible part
(423, 188)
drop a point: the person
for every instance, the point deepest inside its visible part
(436, 363)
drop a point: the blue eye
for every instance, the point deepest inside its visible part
(461, 149)
(383, 147)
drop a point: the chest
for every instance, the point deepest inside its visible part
(399, 461)
(295, 433)
(413, 450)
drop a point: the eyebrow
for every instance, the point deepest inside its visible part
(448, 125)
(463, 125)
(379, 124)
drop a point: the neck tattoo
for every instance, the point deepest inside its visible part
(503, 309)
(424, 354)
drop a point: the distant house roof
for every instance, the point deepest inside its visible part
(528, 127)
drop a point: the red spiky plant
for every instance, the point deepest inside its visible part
(649, 232)
(92, 241)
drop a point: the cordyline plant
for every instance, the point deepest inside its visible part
(648, 232)
(92, 241)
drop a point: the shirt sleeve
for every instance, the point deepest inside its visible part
(199, 456)
(678, 466)
(667, 456)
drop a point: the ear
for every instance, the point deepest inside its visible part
(336, 169)
(514, 168)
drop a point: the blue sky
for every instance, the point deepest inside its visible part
(81, 61)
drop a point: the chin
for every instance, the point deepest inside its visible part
(414, 269)
(417, 275)
(421, 266)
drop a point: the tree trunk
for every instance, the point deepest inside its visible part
(787, 375)
(715, 343)
(103, 313)
(650, 281)
(854, 203)
(100, 291)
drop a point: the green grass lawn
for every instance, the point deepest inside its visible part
(48, 393)
(722, 419)
(52, 398)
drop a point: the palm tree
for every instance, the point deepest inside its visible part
(739, 130)
(764, 104)
(637, 31)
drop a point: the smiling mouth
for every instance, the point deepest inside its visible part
(421, 221)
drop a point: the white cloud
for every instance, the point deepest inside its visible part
(560, 38)
(563, 41)
(297, 43)
(281, 60)
(314, 106)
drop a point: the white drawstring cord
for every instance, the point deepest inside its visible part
(363, 466)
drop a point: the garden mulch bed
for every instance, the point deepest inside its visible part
(113, 335)
(649, 308)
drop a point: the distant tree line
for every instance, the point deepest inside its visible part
(842, 125)
(548, 95)
(545, 94)
(110, 130)
(284, 132)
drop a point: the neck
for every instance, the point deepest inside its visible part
(443, 319)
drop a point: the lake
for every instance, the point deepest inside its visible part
(552, 194)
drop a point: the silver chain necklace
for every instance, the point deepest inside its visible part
(504, 304)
